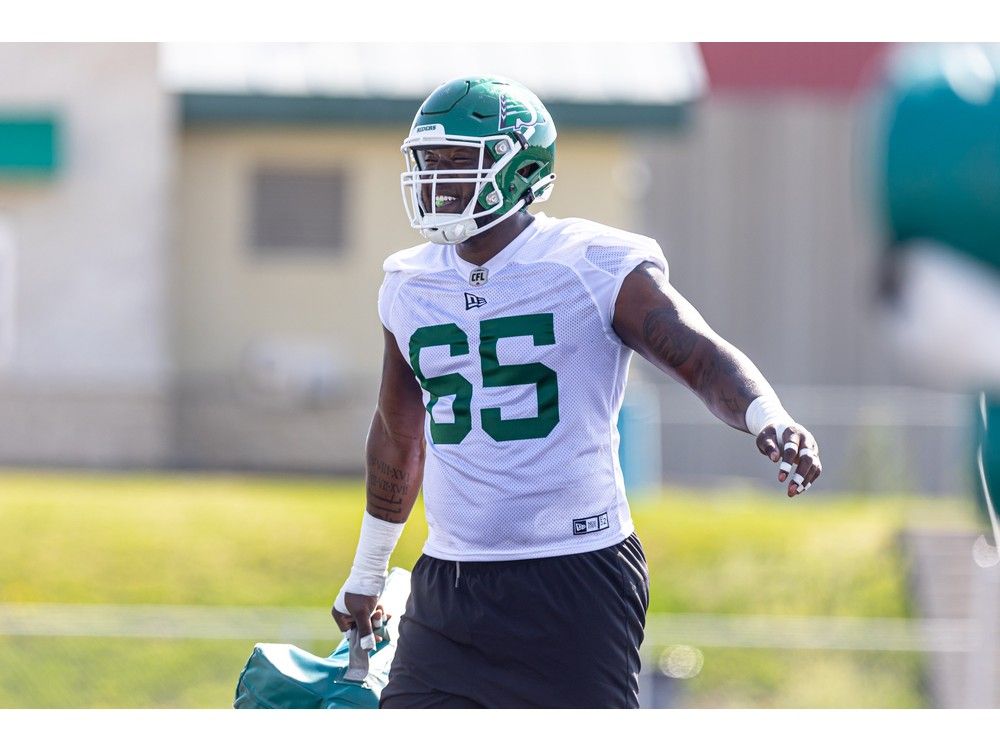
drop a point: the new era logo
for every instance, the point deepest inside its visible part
(472, 300)
(590, 525)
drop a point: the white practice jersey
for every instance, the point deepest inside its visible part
(523, 377)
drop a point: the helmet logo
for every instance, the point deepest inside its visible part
(516, 115)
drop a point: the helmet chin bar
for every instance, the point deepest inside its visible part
(456, 229)
(447, 229)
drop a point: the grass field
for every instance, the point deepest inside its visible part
(221, 540)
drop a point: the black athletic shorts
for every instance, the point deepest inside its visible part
(552, 632)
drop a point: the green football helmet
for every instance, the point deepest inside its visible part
(516, 143)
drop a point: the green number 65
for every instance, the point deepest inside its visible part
(495, 375)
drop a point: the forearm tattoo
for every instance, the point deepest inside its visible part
(722, 382)
(718, 372)
(388, 487)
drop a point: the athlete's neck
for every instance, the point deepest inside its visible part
(480, 248)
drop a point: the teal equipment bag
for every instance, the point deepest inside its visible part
(279, 675)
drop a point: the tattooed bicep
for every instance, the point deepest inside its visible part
(656, 320)
(667, 337)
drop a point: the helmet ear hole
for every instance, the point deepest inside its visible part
(529, 169)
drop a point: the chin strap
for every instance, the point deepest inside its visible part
(459, 232)
(455, 229)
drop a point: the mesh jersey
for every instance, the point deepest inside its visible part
(523, 377)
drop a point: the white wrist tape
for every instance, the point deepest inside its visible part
(371, 561)
(765, 410)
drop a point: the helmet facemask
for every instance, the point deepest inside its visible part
(428, 194)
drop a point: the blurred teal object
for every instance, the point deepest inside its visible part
(639, 432)
(936, 154)
(937, 148)
(989, 442)
(279, 675)
(28, 145)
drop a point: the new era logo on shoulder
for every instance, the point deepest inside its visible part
(472, 300)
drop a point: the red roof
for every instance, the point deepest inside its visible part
(831, 67)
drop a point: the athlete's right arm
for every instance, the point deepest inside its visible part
(394, 472)
(395, 450)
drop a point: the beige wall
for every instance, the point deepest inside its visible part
(592, 171)
(227, 299)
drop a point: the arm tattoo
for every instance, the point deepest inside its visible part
(387, 487)
(667, 338)
(720, 380)
(655, 320)
(706, 374)
(712, 368)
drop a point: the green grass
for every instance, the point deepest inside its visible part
(119, 672)
(190, 539)
(180, 540)
(734, 678)
(745, 552)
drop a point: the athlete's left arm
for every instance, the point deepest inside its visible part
(655, 320)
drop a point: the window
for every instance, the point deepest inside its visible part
(299, 212)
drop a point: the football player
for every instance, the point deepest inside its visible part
(508, 337)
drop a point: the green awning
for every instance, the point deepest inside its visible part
(28, 145)
(274, 109)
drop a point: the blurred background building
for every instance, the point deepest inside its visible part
(86, 207)
(193, 251)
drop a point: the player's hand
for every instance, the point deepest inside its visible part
(363, 612)
(797, 452)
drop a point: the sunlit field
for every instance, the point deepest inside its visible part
(264, 542)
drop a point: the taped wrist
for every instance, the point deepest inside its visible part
(371, 561)
(765, 410)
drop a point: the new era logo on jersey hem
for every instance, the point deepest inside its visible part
(472, 300)
(590, 525)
